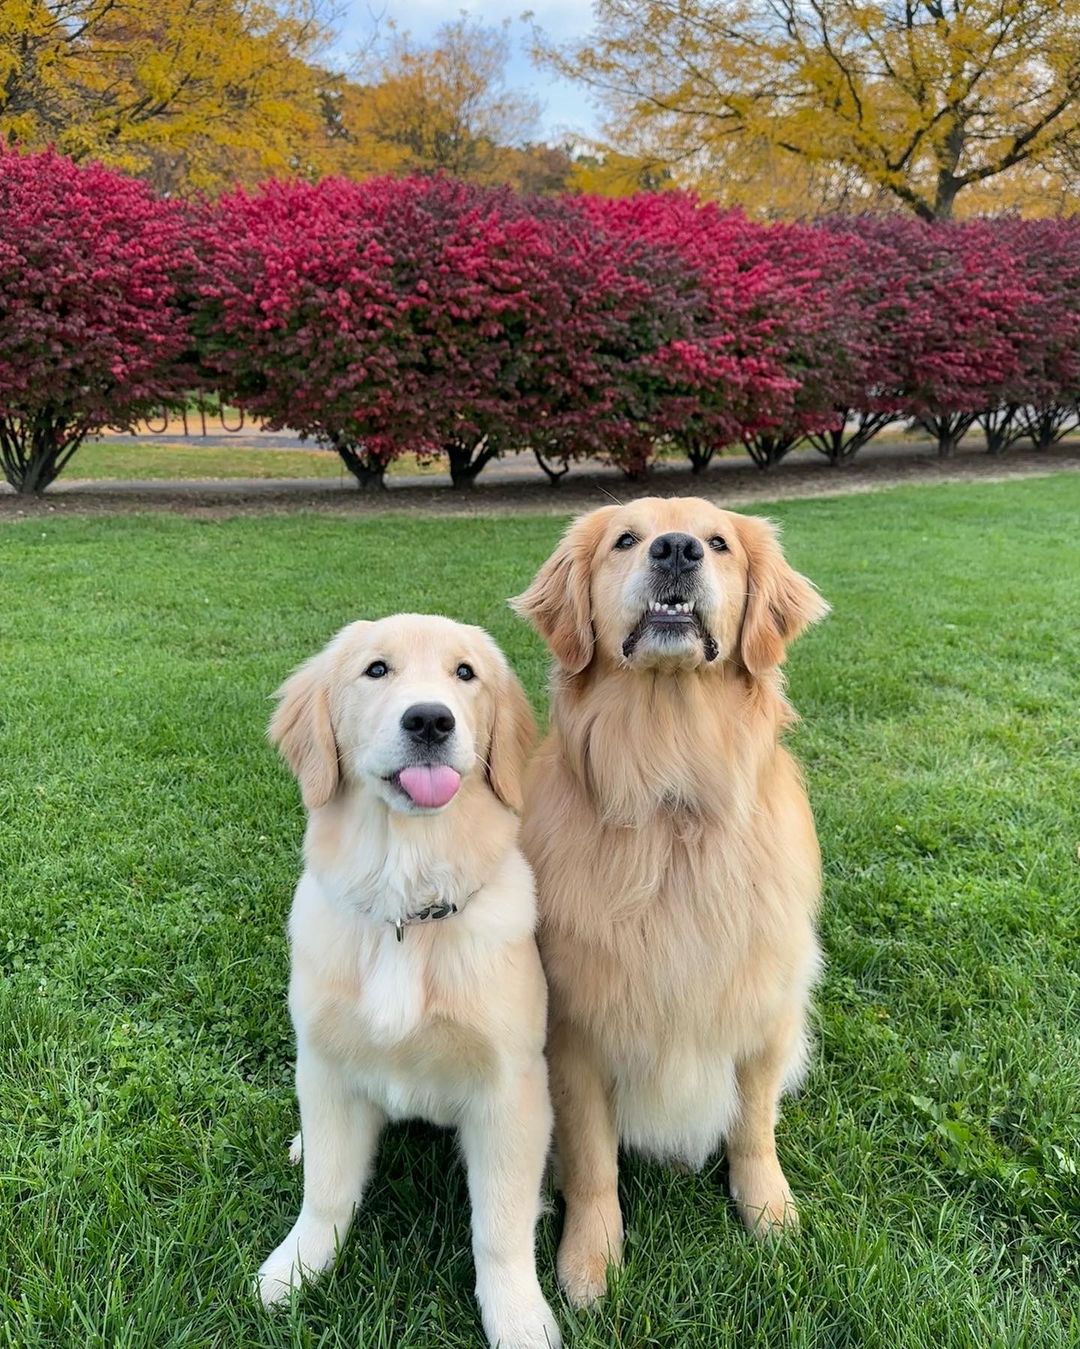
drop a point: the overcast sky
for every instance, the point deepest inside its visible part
(564, 107)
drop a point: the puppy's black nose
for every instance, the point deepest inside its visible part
(428, 723)
(676, 553)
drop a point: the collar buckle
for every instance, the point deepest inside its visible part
(432, 914)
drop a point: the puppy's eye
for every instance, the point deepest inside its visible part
(377, 669)
(625, 541)
(718, 544)
(465, 672)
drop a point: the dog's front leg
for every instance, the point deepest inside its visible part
(505, 1142)
(755, 1178)
(587, 1153)
(340, 1135)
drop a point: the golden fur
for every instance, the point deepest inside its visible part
(676, 862)
(447, 1024)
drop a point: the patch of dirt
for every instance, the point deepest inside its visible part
(732, 482)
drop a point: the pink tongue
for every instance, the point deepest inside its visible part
(429, 785)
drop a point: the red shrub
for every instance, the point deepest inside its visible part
(1042, 400)
(90, 333)
(958, 316)
(444, 318)
(816, 334)
(739, 372)
(862, 357)
(430, 315)
(299, 318)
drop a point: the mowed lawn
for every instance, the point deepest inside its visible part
(149, 843)
(164, 461)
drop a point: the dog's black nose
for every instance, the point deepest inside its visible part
(428, 723)
(676, 553)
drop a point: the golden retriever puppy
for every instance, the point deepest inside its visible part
(675, 855)
(416, 988)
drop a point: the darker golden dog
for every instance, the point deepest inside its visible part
(675, 855)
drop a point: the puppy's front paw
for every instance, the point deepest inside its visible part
(278, 1276)
(308, 1250)
(296, 1150)
(520, 1321)
(764, 1200)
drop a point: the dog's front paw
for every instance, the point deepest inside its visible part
(591, 1241)
(521, 1320)
(764, 1200)
(583, 1275)
(308, 1250)
(582, 1264)
(278, 1276)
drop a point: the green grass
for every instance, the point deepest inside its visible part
(148, 846)
(131, 459)
(157, 461)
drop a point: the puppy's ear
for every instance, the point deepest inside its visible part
(303, 732)
(513, 733)
(780, 603)
(558, 603)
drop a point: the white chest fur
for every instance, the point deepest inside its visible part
(362, 1001)
(353, 982)
(391, 988)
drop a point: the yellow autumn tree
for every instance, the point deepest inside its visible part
(924, 102)
(194, 94)
(445, 106)
(603, 172)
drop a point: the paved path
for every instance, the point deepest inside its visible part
(507, 488)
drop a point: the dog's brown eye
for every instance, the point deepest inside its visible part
(625, 541)
(465, 672)
(377, 669)
(718, 544)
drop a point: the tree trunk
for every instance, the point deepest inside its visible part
(700, 457)
(945, 197)
(950, 148)
(33, 454)
(1000, 428)
(767, 450)
(838, 445)
(467, 459)
(554, 475)
(1045, 425)
(369, 472)
(948, 429)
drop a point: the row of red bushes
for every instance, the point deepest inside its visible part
(430, 316)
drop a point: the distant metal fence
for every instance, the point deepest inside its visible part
(158, 423)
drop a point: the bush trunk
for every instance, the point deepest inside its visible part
(35, 452)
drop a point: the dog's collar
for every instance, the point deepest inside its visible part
(434, 913)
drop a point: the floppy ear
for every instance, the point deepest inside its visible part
(558, 603)
(513, 732)
(302, 730)
(780, 603)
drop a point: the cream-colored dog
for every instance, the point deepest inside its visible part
(675, 856)
(416, 987)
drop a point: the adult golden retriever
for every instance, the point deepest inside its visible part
(675, 855)
(416, 988)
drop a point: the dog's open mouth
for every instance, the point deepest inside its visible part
(670, 614)
(671, 618)
(429, 785)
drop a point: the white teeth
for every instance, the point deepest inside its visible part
(670, 610)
